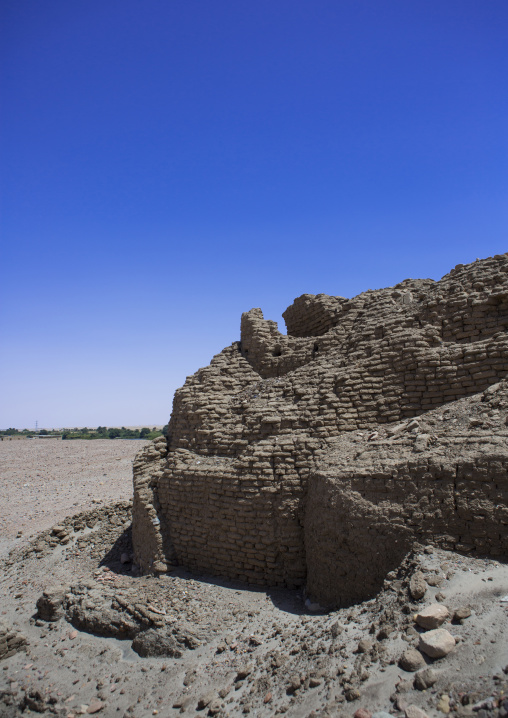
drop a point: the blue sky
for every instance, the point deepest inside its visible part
(169, 164)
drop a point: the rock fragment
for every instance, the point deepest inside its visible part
(50, 604)
(417, 586)
(11, 641)
(437, 643)
(425, 679)
(207, 699)
(411, 660)
(413, 711)
(432, 616)
(443, 705)
(461, 613)
(362, 713)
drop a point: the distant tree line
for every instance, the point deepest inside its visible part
(101, 432)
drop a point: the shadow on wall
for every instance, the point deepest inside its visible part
(351, 545)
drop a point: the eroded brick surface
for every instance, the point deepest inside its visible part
(320, 456)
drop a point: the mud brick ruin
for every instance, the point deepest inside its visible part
(320, 456)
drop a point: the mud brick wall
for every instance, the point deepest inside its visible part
(312, 315)
(227, 520)
(229, 491)
(358, 528)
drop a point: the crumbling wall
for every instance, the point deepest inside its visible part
(358, 529)
(237, 490)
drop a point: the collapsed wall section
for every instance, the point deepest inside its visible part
(441, 479)
(357, 530)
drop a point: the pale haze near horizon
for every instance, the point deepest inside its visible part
(166, 167)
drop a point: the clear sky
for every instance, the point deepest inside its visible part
(169, 164)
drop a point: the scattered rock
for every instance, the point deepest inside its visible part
(294, 683)
(11, 641)
(365, 646)
(413, 711)
(215, 707)
(336, 629)
(443, 704)
(244, 671)
(425, 679)
(434, 580)
(95, 706)
(207, 699)
(385, 632)
(417, 586)
(352, 694)
(155, 643)
(411, 660)
(437, 643)
(461, 613)
(50, 604)
(432, 616)
(362, 713)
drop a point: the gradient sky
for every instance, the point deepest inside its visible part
(169, 164)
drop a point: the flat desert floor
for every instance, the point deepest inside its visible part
(44, 480)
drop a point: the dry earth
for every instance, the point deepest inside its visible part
(43, 480)
(128, 645)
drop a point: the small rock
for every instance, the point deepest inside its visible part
(244, 671)
(365, 646)
(413, 711)
(215, 707)
(294, 683)
(434, 580)
(314, 682)
(385, 632)
(404, 686)
(461, 613)
(206, 699)
(437, 643)
(267, 698)
(49, 605)
(443, 704)
(417, 586)
(432, 616)
(124, 558)
(336, 629)
(401, 703)
(425, 679)
(95, 706)
(381, 714)
(411, 660)
(352, 694)
(362, 713)
(488, 704)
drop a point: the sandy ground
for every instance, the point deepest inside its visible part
(44, 480)
(240, 650)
